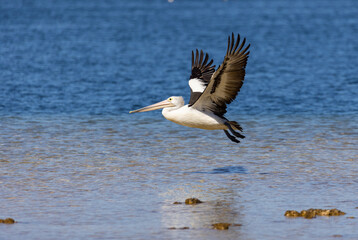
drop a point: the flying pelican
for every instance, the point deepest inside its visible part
(211, 91)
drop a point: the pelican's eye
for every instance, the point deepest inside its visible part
(170, 99)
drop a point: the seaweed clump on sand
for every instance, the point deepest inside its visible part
(224, 226)
(192, 201)
(7, 221)
(312, 213)
(221, 226)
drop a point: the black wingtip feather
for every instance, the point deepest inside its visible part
(200, 67)
(206, 59)
(237, 43)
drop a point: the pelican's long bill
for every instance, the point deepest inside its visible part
(159, 105)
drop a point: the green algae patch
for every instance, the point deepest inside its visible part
(312, 213)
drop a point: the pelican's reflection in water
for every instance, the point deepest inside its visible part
(221, 204)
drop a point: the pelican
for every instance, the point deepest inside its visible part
(211, 92)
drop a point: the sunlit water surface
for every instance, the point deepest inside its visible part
(75, 165)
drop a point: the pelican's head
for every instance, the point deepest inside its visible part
(172, 102)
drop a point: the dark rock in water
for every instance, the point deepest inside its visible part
(192, 201)
(177, 203)
(312, 213)
(182, 228)
(221, 226)
(7, 221)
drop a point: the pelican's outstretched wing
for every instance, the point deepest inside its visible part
(201, 72)
(227, 79)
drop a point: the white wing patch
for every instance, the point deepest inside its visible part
(196, 85)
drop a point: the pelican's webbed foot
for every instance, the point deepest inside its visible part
(236, 134)
(232, 138)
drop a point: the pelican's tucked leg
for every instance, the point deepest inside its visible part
(236, 134)
(232, 138)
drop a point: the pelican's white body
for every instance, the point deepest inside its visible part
(191, 117)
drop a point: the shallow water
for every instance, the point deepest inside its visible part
(107, 178)
(75, 165)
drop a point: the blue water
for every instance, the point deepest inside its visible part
(75, 165)
(109, 57)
